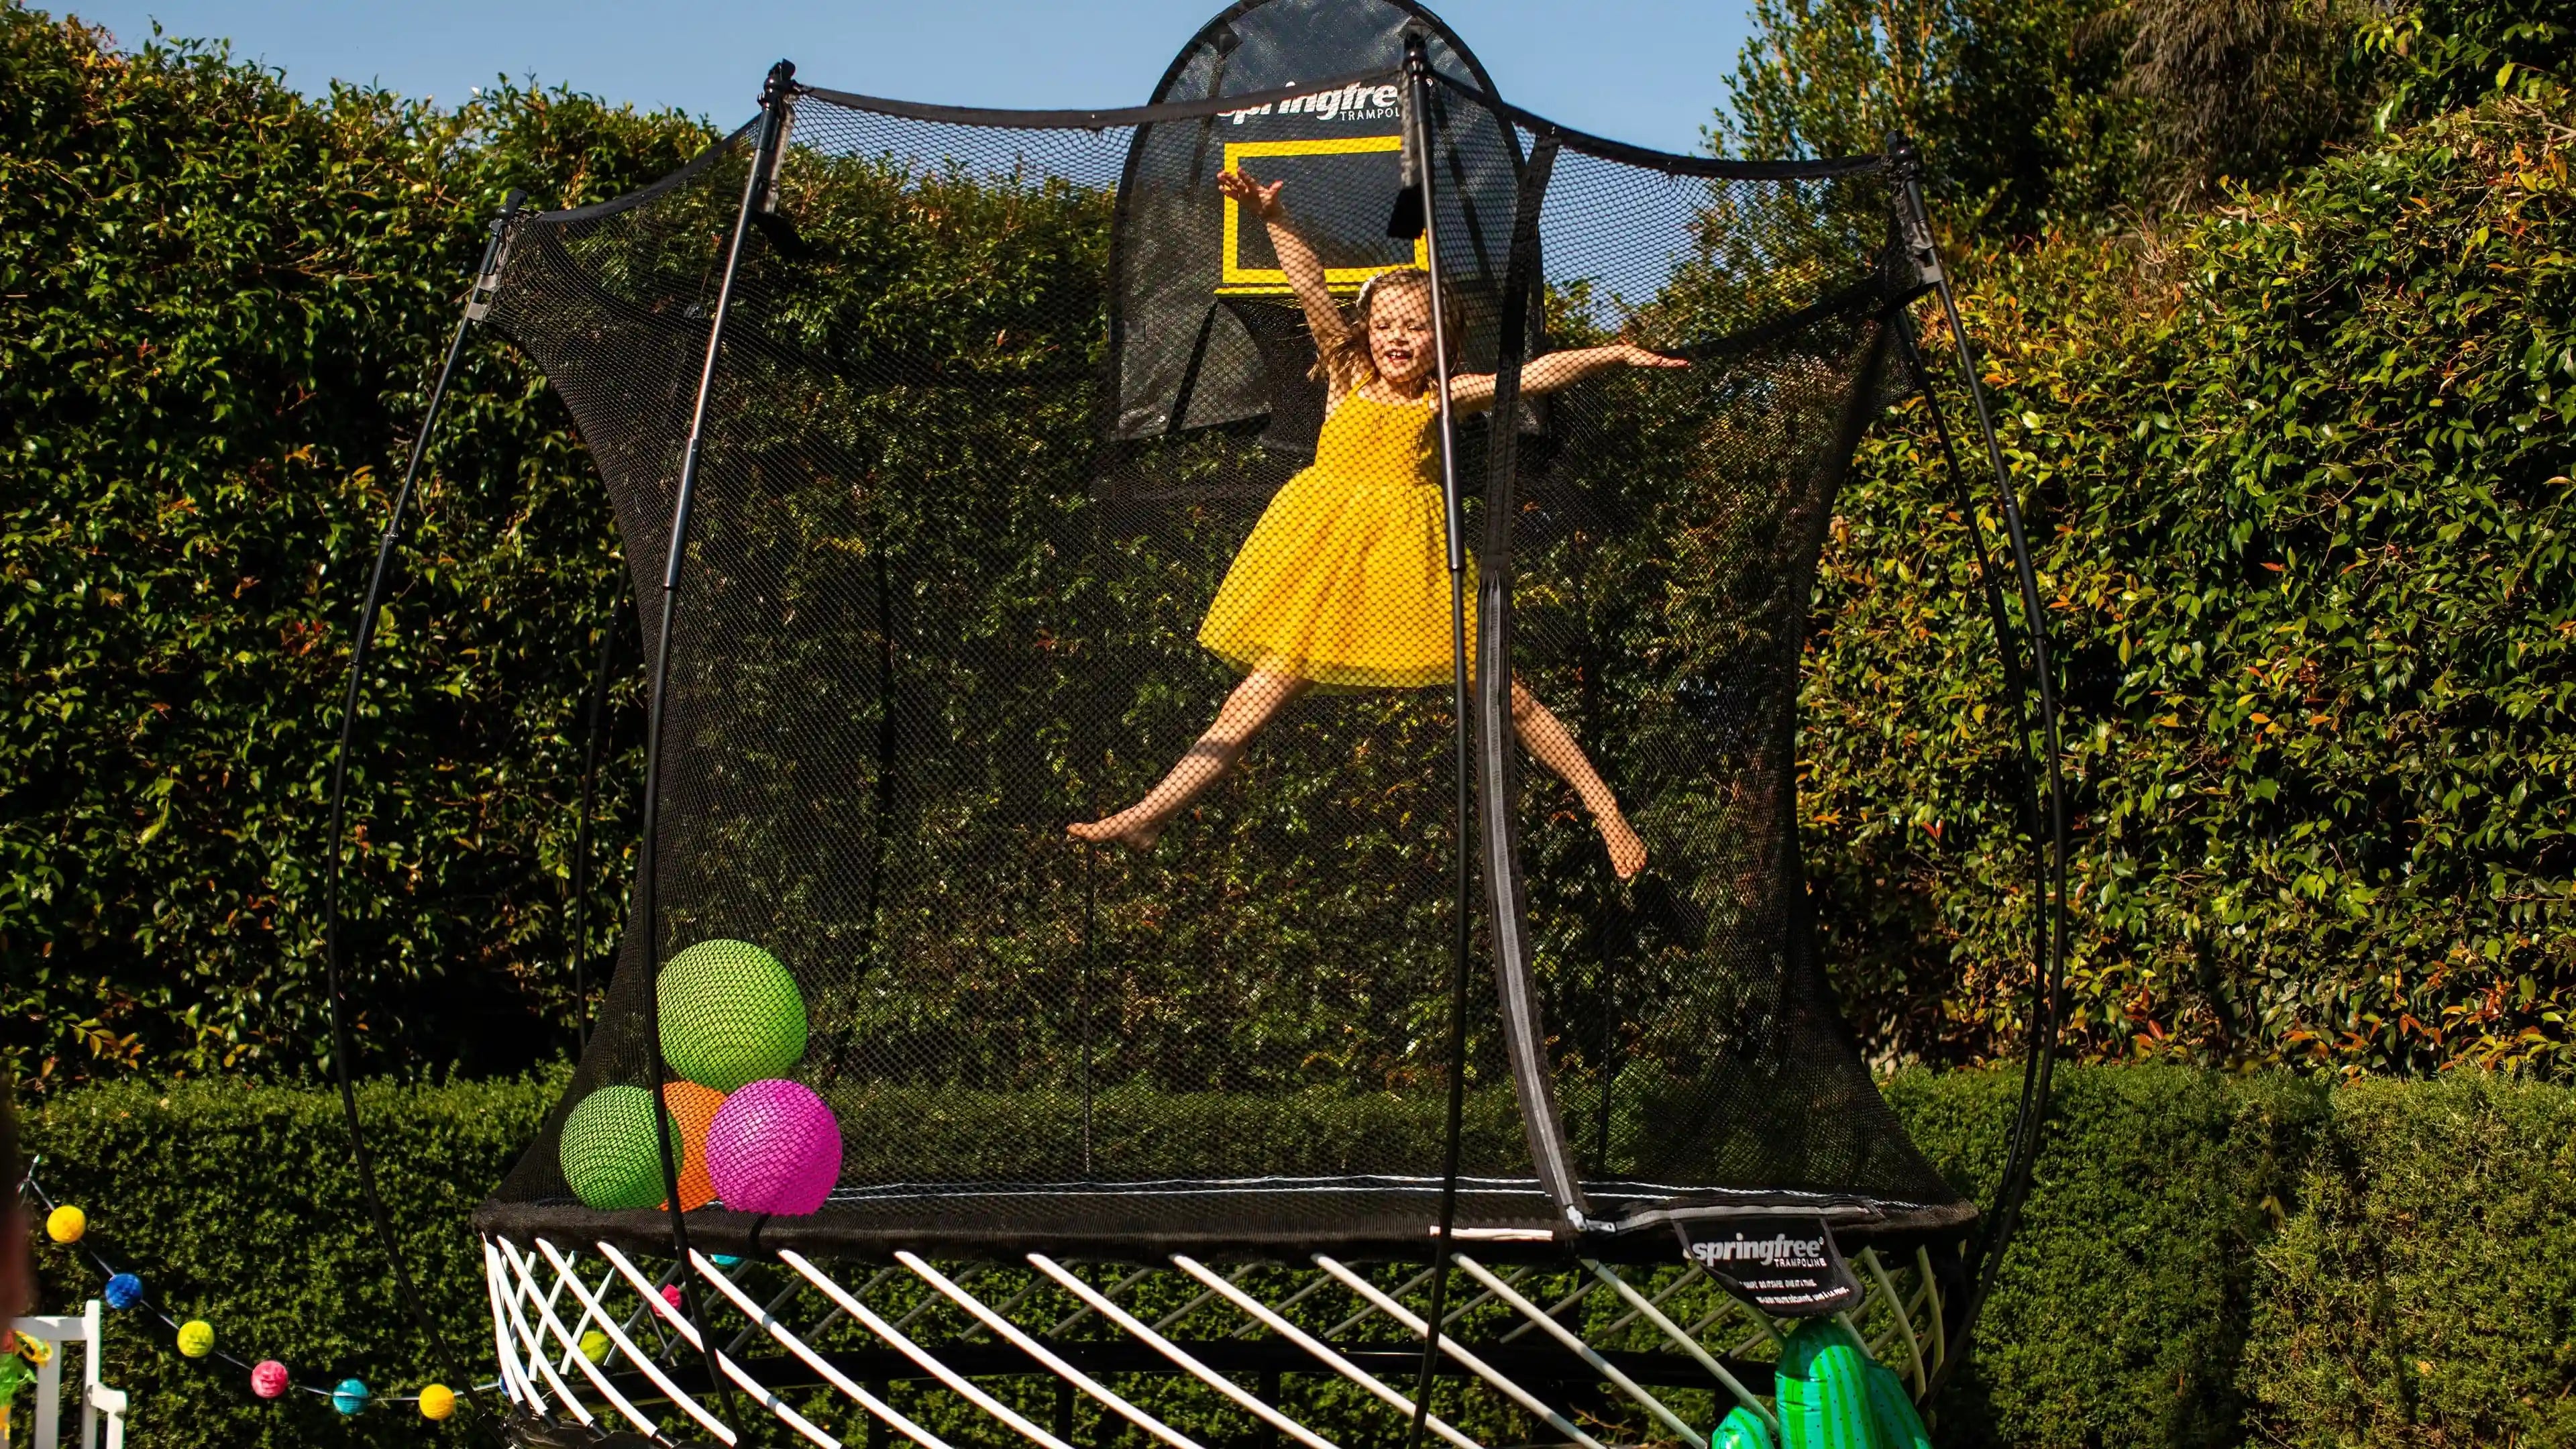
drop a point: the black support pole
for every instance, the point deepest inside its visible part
(1417, 86)
(775, 94)
(478, 300)
(2030, 1118)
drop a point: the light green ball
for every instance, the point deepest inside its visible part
(196, 1338)
(608, 1152)
(730, 1014)
(595, 1346)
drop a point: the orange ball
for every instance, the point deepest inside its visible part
(692, 1108)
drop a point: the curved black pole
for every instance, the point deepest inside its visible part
(2030, 1118)
(774, 96)
(596, 727)
(478, 300)
(1417, 142)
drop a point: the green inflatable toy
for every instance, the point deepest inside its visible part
(1899, 1426)
(730, 1015)
(1823, 1390)
(609, 1154)
(1741, 1429)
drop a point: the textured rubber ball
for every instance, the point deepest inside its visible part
(692, 1107)
(609, 1155)
(196, 1338)
(268, 1378)
(437, 1401)
(65, 1224)
(730, 1014)
(124, 1290)
(774, 1147)
(350, 1397)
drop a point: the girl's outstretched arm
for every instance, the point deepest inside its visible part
(1474, 391)
(1305, 270)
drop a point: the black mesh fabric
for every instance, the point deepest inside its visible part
(943, 598)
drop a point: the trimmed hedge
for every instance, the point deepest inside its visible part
(239, 1205)
(2207, 1259)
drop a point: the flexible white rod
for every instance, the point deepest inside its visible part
(513, 1377)
(1263, 1316)
(625, 1343)
(1904, 1320)
(533, 1341)
(546, 1310)
(1181, 1314)
(1036, 1350)
(1574, 1343)
(1059, 1328)
(1932, 1293)
(957, 1383)
(606, 1277)
(688, 1332)
(1581, 1292)
(1312, 1287)
(1680, 1282)
(1456, 1350)
(1109, 1309)
(767, 1317)
(1356, 1319)
(1641, 1306)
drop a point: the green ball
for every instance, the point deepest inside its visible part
(730, 1014)
(608, 1152)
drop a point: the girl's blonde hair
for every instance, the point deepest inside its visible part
(1348, 361)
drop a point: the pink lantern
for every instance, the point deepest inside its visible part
(268, 1378)
(774, 1148)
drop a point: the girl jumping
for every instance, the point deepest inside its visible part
(1344, 582)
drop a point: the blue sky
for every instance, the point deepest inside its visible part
(1644, 71)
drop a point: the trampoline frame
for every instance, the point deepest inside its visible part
(545, 1297)
(512, 1280)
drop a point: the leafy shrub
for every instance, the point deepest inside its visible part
(224, 303)
(2302, 467)
(2203, 1255)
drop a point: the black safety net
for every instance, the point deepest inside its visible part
(1058, 843)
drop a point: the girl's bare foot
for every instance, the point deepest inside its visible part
(1627, 851)
(1124, 828)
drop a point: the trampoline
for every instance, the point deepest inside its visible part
(1160, 688)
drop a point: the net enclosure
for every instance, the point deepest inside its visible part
(1058, 842)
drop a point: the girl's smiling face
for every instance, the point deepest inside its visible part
(1399, 333)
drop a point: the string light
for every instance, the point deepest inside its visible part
(68, 1227)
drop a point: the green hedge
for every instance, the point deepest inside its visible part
(2307, 542)
(2299, 471)
(220, 308)
(2207, 1259)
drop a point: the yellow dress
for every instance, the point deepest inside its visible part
(1345, 580)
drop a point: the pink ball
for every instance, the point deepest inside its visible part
(268, 1378)
(671, 1295)
(774, 1148)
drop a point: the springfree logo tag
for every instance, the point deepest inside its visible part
(1787, 1267)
